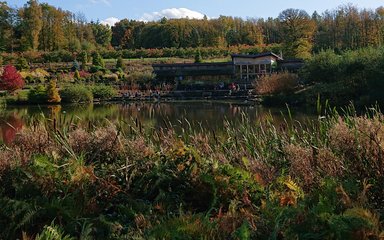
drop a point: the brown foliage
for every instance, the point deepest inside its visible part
(276, 83)
(103, 144)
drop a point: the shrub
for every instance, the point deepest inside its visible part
(22, 64)
(95, 69)
(76, 93)
(119, 63)
(103, 92)
(38, 95)
(77, 75)
(58, 56)
(84, 74)
(276, 83)
(38, 75)
(10, 80)
(75, 66)
(198, 58)
(113, 77)
(140, 77)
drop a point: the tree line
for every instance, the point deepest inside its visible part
(42, 27)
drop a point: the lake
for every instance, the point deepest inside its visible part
(207, 115)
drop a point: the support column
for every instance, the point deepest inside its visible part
(247, 72)
(241, 71)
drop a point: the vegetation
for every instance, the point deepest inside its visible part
(276, 83)
(53, 93)
(321, 180)
(76, 93)
(38, 95)
(10, 79)
(103, 92)
(45, 28)
(97, 60)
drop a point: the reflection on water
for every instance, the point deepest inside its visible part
(197, 115)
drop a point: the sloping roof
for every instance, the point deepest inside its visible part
(257, 55)
(192, 64)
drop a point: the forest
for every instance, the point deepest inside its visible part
(41, 27)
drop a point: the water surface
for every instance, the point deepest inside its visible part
(199, 116)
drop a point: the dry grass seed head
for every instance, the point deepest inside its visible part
(329, 164)
(342, 139)
(301, 164)
(138, 148)
(80, 140)
(31, 141)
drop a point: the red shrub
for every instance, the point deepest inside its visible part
(11, 80)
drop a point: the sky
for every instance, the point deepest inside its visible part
(110, 11)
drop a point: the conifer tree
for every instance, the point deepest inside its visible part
(52, 92)
(97, 60)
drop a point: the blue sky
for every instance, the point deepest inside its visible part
(154, 9)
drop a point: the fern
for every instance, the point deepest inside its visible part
(53, 232)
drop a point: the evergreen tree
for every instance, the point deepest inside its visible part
(97, 60)
(75, 66)
(119, 63)
(198, 58)
(83, 60)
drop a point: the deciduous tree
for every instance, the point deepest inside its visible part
(11, 80)
(297, 29)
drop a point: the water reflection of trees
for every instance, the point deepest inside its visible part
(9, 126)
(197, 116)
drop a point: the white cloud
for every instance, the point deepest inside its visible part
(106, 2)
(110, 21)
(172, 13)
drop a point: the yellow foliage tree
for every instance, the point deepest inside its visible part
(53, 93)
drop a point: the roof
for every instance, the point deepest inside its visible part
(257, 55)
(191, 64)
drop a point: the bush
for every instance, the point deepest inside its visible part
(95, 69)
(77, 75)
(119, 63)
(103, 92)
(58, 56)
(140, 77)
(76, 94)
(323, 67)
(276, 83)
(113, 77)
(22, 64)
(10, 79)
(75, 66)
(38, 95)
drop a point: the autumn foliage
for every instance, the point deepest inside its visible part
(10, 79)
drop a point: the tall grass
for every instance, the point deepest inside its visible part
(319, 180)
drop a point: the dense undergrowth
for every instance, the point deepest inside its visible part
(318, 180)
(351, 76)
